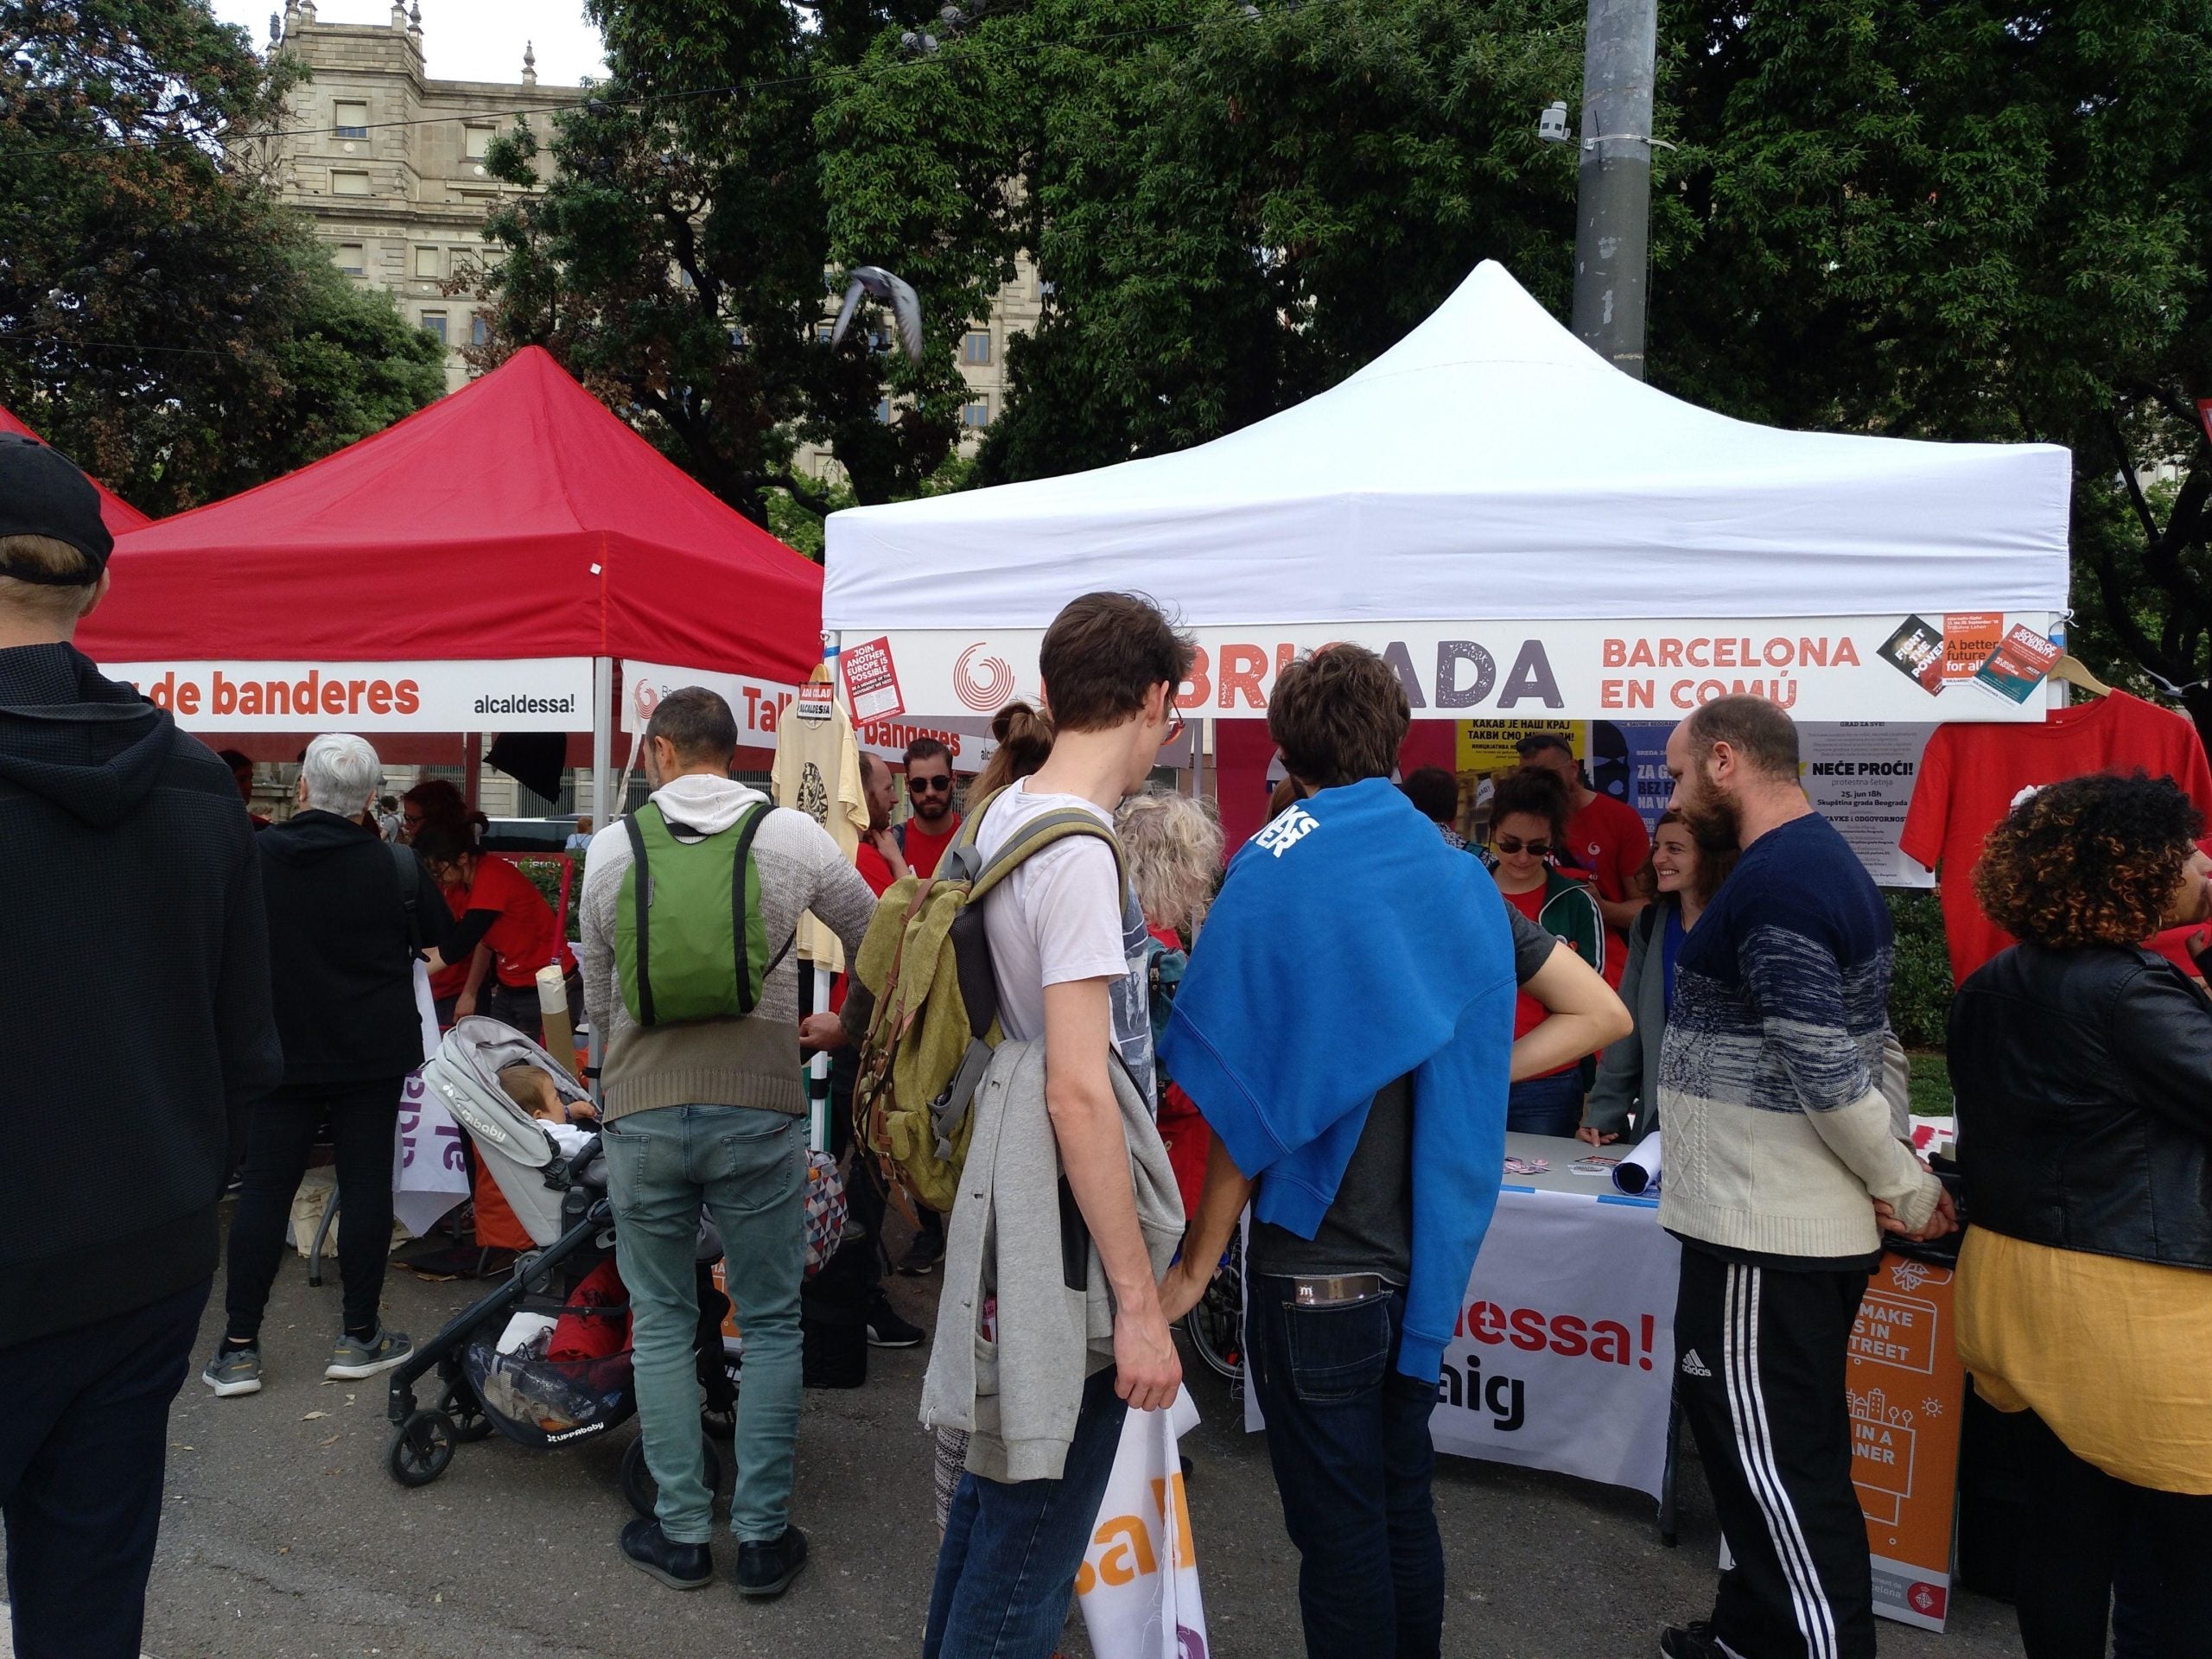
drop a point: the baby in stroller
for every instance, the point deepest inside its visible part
(544, 1359)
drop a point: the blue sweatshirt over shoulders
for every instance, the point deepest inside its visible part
(1317, 981)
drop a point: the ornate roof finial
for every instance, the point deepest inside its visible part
(529, 63)
(399, 14)
(275, 31)
(415, 22)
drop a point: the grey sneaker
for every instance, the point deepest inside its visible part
(352, 1360)
(233, 1370)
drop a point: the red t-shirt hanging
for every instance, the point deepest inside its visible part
(1971, 775)
(522, 940)
(923, 849)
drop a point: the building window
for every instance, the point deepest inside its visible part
(976, 347)
(426, 264)
(350, 259)
(824, 330)
(433, 324)
(976, 414)
(476, 142)
(883, 410)
(353, 119)
(478, 331)
(349, 184)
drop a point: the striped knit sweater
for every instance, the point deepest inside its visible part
(1778, 1136)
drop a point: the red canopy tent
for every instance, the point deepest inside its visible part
(117, 514)
(477, 567)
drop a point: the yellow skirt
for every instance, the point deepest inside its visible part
(2116, 1356)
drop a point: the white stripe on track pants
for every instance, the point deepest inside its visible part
(1762, 1357)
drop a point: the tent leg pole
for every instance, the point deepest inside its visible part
(602, 781)
(472, 768)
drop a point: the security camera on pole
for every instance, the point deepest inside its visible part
(1612, 229)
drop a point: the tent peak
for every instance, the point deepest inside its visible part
(1489, 317)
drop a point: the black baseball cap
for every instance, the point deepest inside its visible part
(42, 494)
(1537, 742)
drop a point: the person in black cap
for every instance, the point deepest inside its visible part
(134, 963)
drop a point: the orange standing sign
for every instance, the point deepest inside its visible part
(1907, 1389)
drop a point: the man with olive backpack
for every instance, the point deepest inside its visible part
(690, 907)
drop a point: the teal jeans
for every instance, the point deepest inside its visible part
(747, 1168)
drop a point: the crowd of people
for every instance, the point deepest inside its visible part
(1148, 1081)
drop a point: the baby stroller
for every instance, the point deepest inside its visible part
(494, 1368)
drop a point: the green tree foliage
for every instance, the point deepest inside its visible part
(161, 318)
(683, 261)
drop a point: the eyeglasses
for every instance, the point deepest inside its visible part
(1538, 848)
(1174, 722)
(929, 785)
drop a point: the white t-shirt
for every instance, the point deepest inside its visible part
(1055, 921)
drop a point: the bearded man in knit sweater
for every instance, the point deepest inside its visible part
(713, 1113)
(1782, 1172)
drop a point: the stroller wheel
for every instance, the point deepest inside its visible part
(459, 1403)
(421, 1448)
(637, 1483)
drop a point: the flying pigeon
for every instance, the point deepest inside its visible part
(880, 285)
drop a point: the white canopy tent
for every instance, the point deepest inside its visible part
(1524, 530)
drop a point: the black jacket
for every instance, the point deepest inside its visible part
(2084, 1085)
(339, 949)
(134, 968)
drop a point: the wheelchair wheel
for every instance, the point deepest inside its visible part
(1216, 1325)
(642, 1491)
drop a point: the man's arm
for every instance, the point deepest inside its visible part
(595, 915)
(1227, 1191)
(1798, 989)
(246, 1044)
(1584, 1015)
(1094, 1153)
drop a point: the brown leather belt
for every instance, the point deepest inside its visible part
(1339, 1290)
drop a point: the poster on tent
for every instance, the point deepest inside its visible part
(1858, 775)
(1890, 668)
(549, 694)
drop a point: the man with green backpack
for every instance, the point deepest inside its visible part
(689, 908)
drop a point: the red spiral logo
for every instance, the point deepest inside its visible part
(986, 691)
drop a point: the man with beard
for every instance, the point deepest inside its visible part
(1783, 1170)
(923, 837)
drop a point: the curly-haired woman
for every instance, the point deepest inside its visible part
(1527, 821)
(2083, 1067)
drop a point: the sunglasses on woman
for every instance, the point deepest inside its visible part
(1511, 844)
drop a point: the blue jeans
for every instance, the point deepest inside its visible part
(1005, 1571)
(748, 1167)
(1545, 1105)
(1349, 1439)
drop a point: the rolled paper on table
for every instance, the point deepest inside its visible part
(1639, 1170)
(553, 1013)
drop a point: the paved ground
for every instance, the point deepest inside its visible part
(284, 1539)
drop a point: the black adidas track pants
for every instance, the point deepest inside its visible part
(1761, 1358)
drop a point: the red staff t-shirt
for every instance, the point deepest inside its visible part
(923, 849)
(524, 937)
(1972, 774)
(1527, 1013)
(1607, 840)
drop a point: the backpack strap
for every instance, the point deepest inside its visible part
(641, 904)
(1033, 837)
(739, 859)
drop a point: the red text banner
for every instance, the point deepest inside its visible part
(550, 694)
(1819, 668)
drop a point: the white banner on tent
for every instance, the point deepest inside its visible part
(549, 694)
(1819, 668)
(760, 706)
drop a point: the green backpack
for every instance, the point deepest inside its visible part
(936, 1019)
(689, 944)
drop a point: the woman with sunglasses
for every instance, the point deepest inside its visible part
(1528, 820)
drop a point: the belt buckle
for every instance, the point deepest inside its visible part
(1345, 1290)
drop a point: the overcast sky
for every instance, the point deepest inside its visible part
(464, 40)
